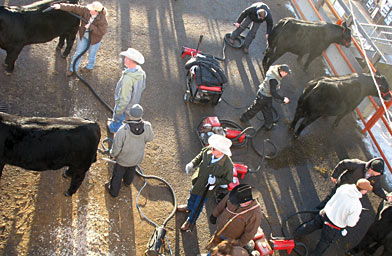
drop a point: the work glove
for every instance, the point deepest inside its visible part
(286, 100)
(188, 167)
(212, 219)
(211, 182)
(116, 117)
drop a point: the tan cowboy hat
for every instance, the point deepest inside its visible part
(95, 6)
(220, 143)
(134, 55)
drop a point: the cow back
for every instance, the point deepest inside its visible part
(28, 24)
(36, 143)
(301, 37)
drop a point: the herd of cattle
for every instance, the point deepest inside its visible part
(51, 143)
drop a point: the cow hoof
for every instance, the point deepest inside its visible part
(7, 73)
(66, 193)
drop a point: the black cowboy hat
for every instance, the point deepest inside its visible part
(243, 193)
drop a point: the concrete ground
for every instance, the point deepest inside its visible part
(38, 220)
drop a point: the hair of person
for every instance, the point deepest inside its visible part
(224, 248)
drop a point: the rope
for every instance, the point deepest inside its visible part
(368, 65)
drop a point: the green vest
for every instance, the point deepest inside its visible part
(272, 73)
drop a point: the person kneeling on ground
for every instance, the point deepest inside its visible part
(128, 148)
(238, 216)
(213, 168)
(341, 211)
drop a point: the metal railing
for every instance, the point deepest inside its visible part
(379, 110)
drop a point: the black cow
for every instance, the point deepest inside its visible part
(335, 96)
(24, 25)
(39, 144)
(301, 37)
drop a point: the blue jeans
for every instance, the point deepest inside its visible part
(117, 121)
(92, 53)
(193, 202)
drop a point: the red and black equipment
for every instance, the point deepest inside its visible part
(205, 78)
(213, 125)
(268, 247)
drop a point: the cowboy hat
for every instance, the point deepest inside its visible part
(134, 55)
(220, 143)
(95, 6)
(243, 193)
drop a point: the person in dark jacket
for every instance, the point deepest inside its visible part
(213, 168)
(378, 232)
(348, 171)
(240, 201)
(267, 90)
(257, 13)
(128, 148)
(95, 13)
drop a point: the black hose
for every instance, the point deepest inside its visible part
(286, 235)
(83, 80)
(244, 131)
(240, 39)
(170, 187)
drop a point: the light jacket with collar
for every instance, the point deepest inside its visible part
(129, 89)
(265, 87)
(244, 227)
(344, 208)
(222, 170)
(98, 28)
(128, 148)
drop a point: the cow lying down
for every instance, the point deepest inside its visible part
(40, 144)
(335, 96)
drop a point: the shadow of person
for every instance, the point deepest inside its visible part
(121, 222)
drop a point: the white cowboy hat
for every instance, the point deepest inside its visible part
(95, 6)
(134, 55)
(220, 143)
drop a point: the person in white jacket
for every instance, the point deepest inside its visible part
(341, 211)
(128, 148)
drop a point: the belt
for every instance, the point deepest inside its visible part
(332, 225)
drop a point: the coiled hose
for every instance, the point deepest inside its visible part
(284, 224)
(154, 244)
(156, 240)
